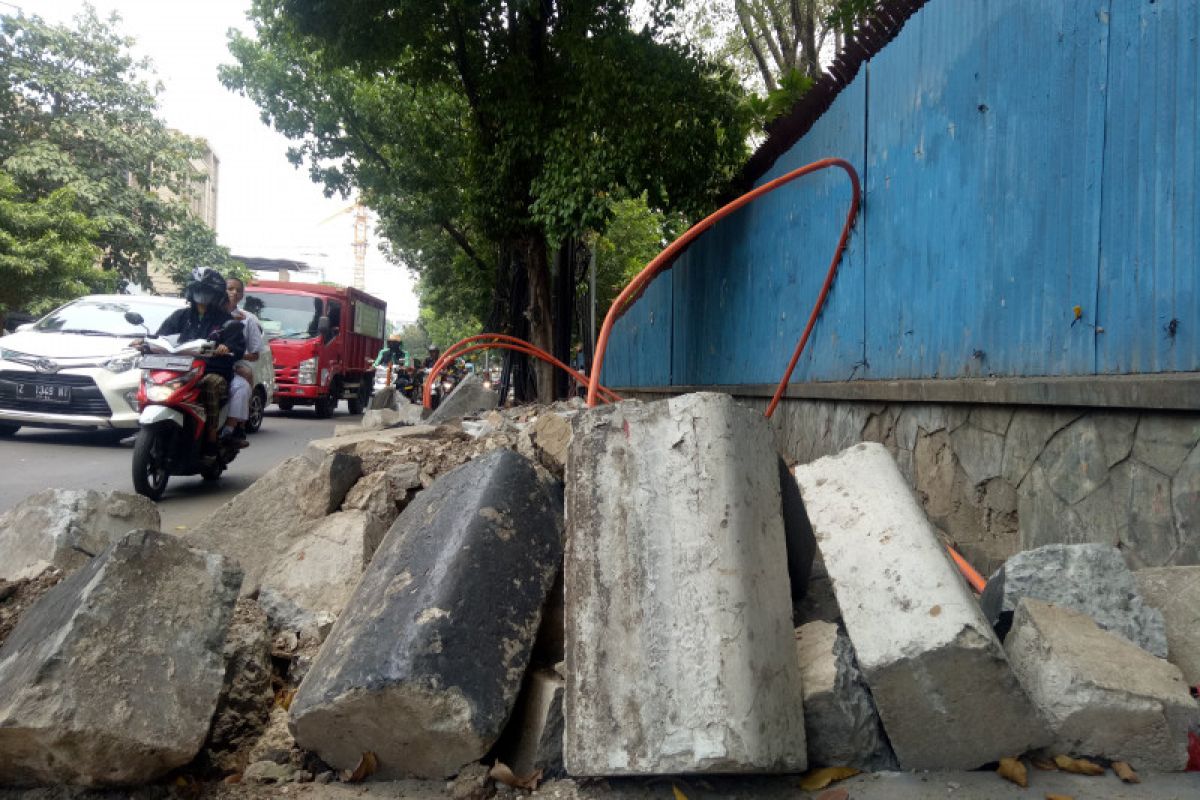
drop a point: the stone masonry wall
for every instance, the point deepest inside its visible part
(1000, 479)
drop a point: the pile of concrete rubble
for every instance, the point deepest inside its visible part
(638, 589)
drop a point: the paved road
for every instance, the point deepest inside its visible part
(39, 459)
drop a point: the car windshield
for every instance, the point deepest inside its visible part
(103, 317)
(284, 315)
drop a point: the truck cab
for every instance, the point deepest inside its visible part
(322, 339)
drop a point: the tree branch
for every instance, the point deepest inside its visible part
(751, 39)
(460, 239)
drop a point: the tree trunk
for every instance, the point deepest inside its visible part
(564, 306)
(541, 311)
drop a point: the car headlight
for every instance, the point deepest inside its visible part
(11, 355)
(307, 371)
(121, 363)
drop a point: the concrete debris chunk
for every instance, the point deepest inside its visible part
(260, 524)
(308, 586)
(384, 398)
(1102, 695)
(325, 490)
(1175, 591)
(469, 399)
(424, 665)
(64, 528)
(840, 720)
(937, 672)
(246, 698)
(535, 733)
(551, 437)
(113, 677)
(680, 653)
(1090, 578)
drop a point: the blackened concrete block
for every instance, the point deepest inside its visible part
(680, 649)
(937, 672)
(425, 662)
(1092, 579)
(840, 720)
(113, 676)
(1102, 695)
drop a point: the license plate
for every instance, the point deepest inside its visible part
(45, 392)
(180, 363)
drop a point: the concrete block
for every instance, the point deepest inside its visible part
(470, 398)
(680, 652)
(424, 665)
(1102, 695)
(64, 528)
(1175, 592)
(1090, 578)
(535, 733)
(112, 678)
(840, 720)
(937, 672)
(325, 490)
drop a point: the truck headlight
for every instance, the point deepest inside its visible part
(307, 371)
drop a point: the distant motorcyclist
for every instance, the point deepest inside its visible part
(205, 317)
(435, 353)
(392, 353)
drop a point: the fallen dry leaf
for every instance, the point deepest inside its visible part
(1011, 769)
(365, 769)
(834, 794)
(1125, 772)
(503, 773)
(1079, 766)
(820, 778)
(1044, 763)
(679, 795)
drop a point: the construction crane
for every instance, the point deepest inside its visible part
(359, 243)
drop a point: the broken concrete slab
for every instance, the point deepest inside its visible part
(64, 528)
(425, 662)
(1175, 592)
(937, 672)
(384, 398)
(113, 677)
(550, 435)
(535, 733)
(1090, 578)
(840, 721)
(318, 449)
(260, 524)
(1101, 694)
(679, 651)
(308, 586)
(470, 398)
(323, 492)
(405, 413)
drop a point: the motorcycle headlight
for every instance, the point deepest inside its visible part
(159, 392)
(121, 363)
(447, 386)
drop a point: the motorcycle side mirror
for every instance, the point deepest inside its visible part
(134, 318)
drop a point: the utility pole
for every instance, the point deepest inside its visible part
(360, 245)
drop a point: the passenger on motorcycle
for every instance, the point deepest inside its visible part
(204, 318)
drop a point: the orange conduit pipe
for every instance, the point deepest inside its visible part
(667, 257)
(977, 581)
(501, 341)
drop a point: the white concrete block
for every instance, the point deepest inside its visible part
(939, 677)
(680, 654)
(1103, 695)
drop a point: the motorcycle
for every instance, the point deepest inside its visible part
(173, 420)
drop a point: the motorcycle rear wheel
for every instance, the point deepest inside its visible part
(150, 474)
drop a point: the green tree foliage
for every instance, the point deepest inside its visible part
(78, 112)
(634, 236)
(46, 250)
(491, 129)
(192, 244)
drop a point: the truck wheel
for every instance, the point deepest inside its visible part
(286, 405)
(258, 403)
(361, 400)
(150, 473)
(325, 406)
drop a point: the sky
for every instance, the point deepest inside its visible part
(265, 206)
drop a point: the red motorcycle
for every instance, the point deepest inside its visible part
(171, 440)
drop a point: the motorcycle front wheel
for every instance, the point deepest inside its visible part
(150, 474)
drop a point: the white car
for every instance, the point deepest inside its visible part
(73, 368)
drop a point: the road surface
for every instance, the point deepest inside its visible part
(39, 459)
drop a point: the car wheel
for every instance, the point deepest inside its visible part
(9, 428)
(258, 403)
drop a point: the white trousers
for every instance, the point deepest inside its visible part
(239, 399)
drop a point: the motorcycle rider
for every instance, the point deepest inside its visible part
(435, 353)
(392, 353)
(205, 317)
(239, 387)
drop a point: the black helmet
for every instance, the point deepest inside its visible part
(207, 287)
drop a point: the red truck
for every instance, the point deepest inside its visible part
(323, 340)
